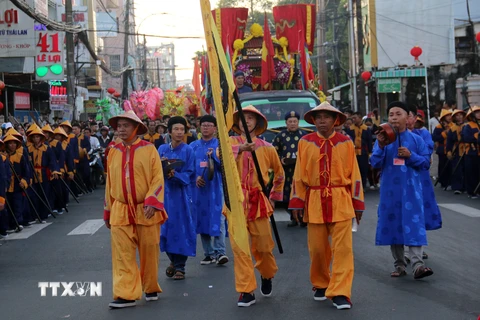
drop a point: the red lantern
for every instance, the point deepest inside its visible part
(117, 94)
(2, 85)
(366, 76)
(1, 106)
(478, 37)
(416, 52)
(111, 90)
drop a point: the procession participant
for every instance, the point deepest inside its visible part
(455, 143)
(104, 138)
(4, 181)
(48, 132)
(286, 144)
(16, 188)
(45, 167)
(401, 220)
(240, 82)
(362, 138)
(433, 216)
(134, 211)
(66, 166)
(208, 194)
(95, 145)
(74, 152)
(151, 130)
(157, 138)
(327, 189)
(84, 148)
(188, 137)
(470, 136)
(439, 136)
(58, 196)
(179, 237)
(257, 207)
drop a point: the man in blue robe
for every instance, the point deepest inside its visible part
(178, 237)
(433, 216)
(208, 194)
(401, 220)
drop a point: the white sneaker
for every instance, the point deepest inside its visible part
(372, 187)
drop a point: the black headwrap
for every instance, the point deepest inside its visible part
(397, 104)
(208, 118)
(175, 120)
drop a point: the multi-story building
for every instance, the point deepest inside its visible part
(160, 67)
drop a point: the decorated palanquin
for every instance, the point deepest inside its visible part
(293, 43)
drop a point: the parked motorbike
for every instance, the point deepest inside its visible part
(97, 173)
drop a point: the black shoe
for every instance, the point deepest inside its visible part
(266, 288)
(303, 224)
(424, 255)
(151, 296)
(207, 260)
(222, 259)
(122, 303)
(319, 294)
(342, 302)
(246, 299)
(292, 223)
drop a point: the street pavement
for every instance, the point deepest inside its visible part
(75, 247)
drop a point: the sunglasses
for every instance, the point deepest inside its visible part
(42, 71)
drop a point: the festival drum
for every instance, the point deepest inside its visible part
(388, 131)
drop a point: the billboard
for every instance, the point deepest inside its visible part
(106, 24)
(49, 58)
(17, 37)
(396, 27)
(21, 100)
(80, 17)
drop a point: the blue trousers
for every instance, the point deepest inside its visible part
(16, 200)
(456, 180)
(178, 261)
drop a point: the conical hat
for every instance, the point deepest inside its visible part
(15, 133)
(325, 106)
(10, 137)
(129, 115)
(60, 131)
(420, 119)
(35, 131)
(47, 128)
(457, 111)
(261, 120)
(66, 123)
(444, 113)
(472, 110)
(32, 127)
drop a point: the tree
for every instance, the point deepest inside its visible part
(256, 9)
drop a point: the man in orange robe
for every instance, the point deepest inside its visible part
(327, 185)
(257, 207)
(134, 212)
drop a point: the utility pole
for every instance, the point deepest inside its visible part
(475, 68)
(353, 57)
(70, 59)
(336, 62)
(361, 85)
(158, 74)
(321, 63)
(125, 51)
(145, 78)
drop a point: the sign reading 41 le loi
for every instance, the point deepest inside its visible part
(49, 56)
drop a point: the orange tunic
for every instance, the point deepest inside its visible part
(135, 179)
(327, 182)
(256, 204)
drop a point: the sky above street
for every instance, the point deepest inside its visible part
(173, 18)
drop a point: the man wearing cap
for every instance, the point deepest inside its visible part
(104, 138)
(327, 190)
(455, 150)
(439, 136)
(133, 212)
(208, 193)
(362, 138)
(257, 207)
(240, 83)
(401, 219)
(46, 169)
(179, 236)
(286, 144)
(471, 138)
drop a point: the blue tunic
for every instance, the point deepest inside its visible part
(400, 211)
(208, 200)
(433, 216)
(178, 234)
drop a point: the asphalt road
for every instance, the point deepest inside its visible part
(51, 254)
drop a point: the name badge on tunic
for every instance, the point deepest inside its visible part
(398, 162)
(203, 164)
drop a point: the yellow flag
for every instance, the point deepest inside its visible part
(237, 226)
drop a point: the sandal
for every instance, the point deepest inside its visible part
(170, 272)
(399, 272)
(424, 255)
(422, 272)
(179, 275)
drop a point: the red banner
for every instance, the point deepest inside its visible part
(231, 24)
(296, 22)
